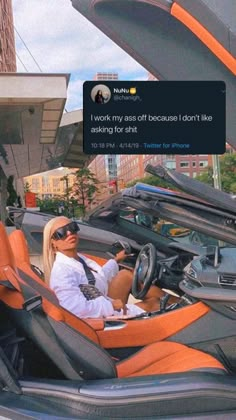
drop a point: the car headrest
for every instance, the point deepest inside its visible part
(6, 254)
(19, 247)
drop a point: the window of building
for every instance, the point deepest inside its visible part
(171, 164)
(35, 184)
(56, 182)
(184, 164)
(203, 163)
(193, 164)
(45, 181)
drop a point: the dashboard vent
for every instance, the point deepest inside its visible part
(227, 279)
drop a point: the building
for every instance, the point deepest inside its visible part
(7, 40)
(130, 168)
(106, 76)
(104, 167)
(191, 165)
(98, 167)
(50, 184)
(7, 64)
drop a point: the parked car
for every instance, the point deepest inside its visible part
(42, 369)
(179, 225)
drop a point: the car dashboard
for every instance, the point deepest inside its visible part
(212, 279)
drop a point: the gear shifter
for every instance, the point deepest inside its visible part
(163, 302)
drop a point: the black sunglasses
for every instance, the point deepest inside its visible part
(61, 233)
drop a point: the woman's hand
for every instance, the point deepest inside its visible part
(120, 256)
(117, 304)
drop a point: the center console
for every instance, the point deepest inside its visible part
(150, 327)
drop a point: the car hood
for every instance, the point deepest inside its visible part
(204, 208)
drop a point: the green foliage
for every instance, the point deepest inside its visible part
(151, 180)
(85, 188)
(228, 173)
(49, 205)
(206, 176)
(59, 206)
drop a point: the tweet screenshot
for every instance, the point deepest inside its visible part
(174, 117)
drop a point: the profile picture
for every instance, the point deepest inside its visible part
(101, 94)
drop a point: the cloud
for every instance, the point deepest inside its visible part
(74, 95)
(62, 40)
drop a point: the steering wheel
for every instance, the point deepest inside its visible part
(144, 270)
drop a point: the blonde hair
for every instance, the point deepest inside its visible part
(48, 251)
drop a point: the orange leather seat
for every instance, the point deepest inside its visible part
(157, 358)
(20, 251)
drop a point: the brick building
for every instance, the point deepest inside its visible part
(7, 40)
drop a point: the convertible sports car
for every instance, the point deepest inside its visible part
(124, 217)
(176, 362)
(179, 362)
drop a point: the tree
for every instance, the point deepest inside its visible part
(70, 204)
(206, 177)
(228, 173)
(49, 205)
(12, 194)
(11, 200)
(85, 188)
(67, 196)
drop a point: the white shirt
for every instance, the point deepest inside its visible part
(66, 276)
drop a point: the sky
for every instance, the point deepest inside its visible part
(63, 41)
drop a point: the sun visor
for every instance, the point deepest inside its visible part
(181, 40)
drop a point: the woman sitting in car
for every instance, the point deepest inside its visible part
(82, 286)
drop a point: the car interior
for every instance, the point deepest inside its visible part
(49, 352)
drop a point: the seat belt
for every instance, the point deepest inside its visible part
(88, 271)
(90, 291)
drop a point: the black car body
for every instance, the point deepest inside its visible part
(205, 273)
